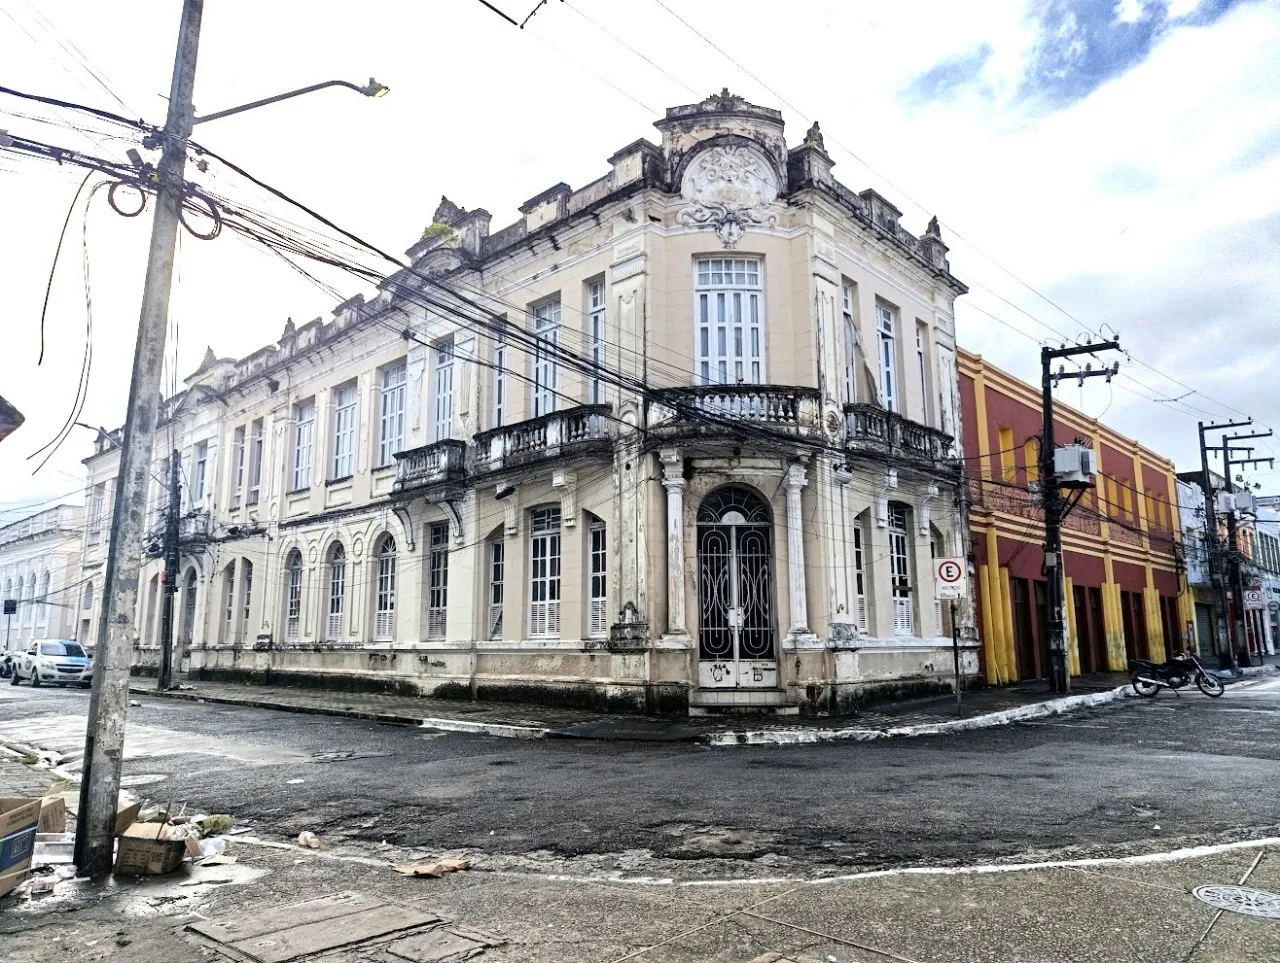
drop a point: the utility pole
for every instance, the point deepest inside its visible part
(104, 738)
(172, 512)
(1234, 567)
(1217, 574)
(1055, 625)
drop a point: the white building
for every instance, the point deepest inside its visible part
(679, 440)
(40, 574)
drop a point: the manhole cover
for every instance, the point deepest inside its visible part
(1241, 899)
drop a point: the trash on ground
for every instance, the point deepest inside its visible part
(211, 847)
(41, 884)
(216, 823)
(224, 859)
(148, 849)
(184, 687)
(441, 867)
(53, 849)
(19, 822)
(308, 840)
(135, 704)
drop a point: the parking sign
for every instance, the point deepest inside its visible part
(949, 578)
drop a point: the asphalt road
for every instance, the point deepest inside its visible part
(1097, 782)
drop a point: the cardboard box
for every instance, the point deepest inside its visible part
(19, 822)
(148, 849)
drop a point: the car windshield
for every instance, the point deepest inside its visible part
(62, 648)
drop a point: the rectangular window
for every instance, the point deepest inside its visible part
(1030, 460)
(849, 338)
(859, 578)
(497, 559)
(1007, 454)
(888, 356)
(229, 603)
(437, 581)
(392, 380)
(500, 380)
(304, 423)
(199, 473)
(900, 569)
(922, 335)
(247, 568)
(544, 570)
(546, 372)
(729, 316)
(293, 601)
(444, 391)
(255, 462)
(597, 589)
(97, 513)
(237, 467)
(343, 442)
(595, 341)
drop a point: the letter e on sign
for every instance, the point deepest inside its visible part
(949, 578)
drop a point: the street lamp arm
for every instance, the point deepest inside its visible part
(371, 89)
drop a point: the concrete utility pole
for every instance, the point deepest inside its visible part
(1234, 567)
(164, 678)
(104, 739)
(1056, 627)
(1217, 575)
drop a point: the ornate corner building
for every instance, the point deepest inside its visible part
(683, 439)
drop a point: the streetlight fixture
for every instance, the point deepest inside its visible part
(371, 89)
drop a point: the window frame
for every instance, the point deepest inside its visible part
(738, 337)
(595, 340)
(237, 470)
(500, 379)
(597, 580)
(859, 574)
(246, 583)
(342, 431)
(849, 337)
(495, 570)
(256, 442)
(337, 582)
(545, 557)
(199, 473)
(384, 598)
(393, 381)
(442, 390)
(293, 598)
(304, 430)
(887, 352)
(229, 602)
(901, 588)
(437, 581)
(545, 384)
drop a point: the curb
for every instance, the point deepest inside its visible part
(788, 737)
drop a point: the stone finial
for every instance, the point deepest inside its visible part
(813, 137)
(289, 331)
(209, 359)
(933, 230)
(723, 100)
(447, 212)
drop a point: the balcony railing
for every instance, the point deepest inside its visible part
(721, 409)
(869, 428)
(439, 463)
(196, 524)
(582, 430)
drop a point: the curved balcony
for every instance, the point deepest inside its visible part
(573, 433)
(737, 411)
(870, 429)
(434, 466)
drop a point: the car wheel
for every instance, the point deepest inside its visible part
(13, 677)
(35, 678)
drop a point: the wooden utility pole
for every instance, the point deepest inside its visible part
(1234, 568)
(104, 738)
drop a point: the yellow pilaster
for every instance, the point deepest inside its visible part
(1010, 661)
(1117, 660)
(1187, 614)
(991, 645)
(1073, 640)
(1155, 624)
(984, 437)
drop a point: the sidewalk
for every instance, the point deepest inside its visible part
(980, 708)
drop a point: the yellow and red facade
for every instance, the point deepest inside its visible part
(1125, 596)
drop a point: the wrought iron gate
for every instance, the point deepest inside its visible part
(735, 591)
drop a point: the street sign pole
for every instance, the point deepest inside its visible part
(955, 652)
(950, 583)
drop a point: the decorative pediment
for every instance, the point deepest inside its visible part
(729, 186)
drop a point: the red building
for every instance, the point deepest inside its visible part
(1125, 597)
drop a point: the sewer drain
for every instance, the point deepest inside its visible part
(1241, 899)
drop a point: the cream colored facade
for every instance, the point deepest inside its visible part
(532, 430)
(40, 572)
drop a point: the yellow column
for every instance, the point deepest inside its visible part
(1073, 640)
(1139, 495)
(1117, 661)
(1187, 613)
(1010, 662)
(980, 420)
(990, 642)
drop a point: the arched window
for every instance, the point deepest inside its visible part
(861, 546)
(900, 568)
(188, 607)
(337, 592)
(86, 599)
(246, 578)
(495, 556)
(45, 604)
(228, 601)
(384, 607)
(544, 571)
(293, 597)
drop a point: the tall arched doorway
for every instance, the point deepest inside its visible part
(188, 625)
(736, 645)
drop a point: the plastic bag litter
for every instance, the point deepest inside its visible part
(216, 823)
(212, 847)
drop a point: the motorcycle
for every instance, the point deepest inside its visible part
(1148, 678)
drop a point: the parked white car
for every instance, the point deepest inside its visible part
(53, 662)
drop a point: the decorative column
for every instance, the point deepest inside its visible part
(673, 481)
(796, 480)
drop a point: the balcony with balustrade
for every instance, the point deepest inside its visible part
(737, 414)
(872, 430)
(431, 470)
(571, 436)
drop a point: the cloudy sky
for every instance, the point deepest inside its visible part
(1092, 163)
